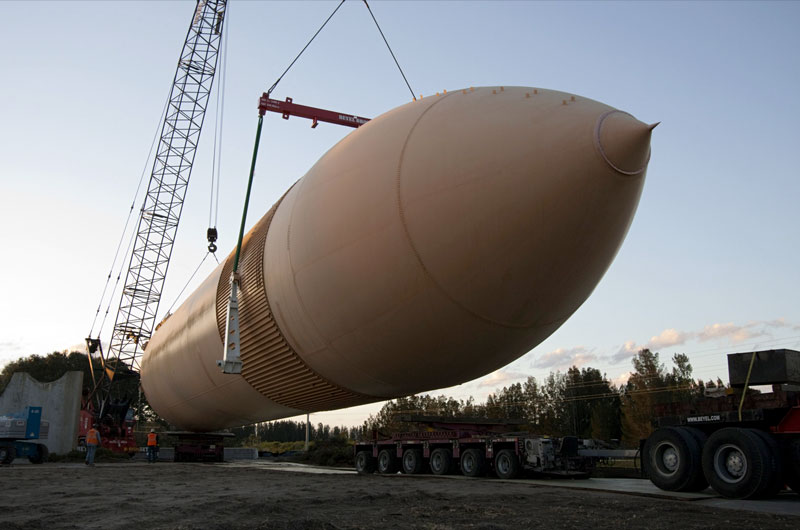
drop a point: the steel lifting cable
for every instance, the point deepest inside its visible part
(275, 84)
(125, 228)
(258, 140)
(116, 284)
(216, 162)
(390, 50)
(169, 311)
(221, 120)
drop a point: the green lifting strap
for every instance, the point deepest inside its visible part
(247, 196)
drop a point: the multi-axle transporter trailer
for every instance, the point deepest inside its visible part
(199, 446)
(472, 447)
(15, 433)
(743, 444)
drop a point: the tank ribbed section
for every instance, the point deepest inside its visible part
(269, 364)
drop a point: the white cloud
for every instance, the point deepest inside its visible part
(736, 333)
(565, 358)
(80, 347)
(668, 337)
(717, 331)
(780, 323)
(621, 379)
(625, 352)
(501, 378)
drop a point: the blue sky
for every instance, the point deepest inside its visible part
(709, 267)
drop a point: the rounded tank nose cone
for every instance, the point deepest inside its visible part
(623, 142)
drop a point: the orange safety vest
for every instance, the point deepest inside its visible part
(152, 439)
(92, 437)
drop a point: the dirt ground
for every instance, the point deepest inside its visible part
(222, 496)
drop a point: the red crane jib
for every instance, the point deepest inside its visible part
(287, 108)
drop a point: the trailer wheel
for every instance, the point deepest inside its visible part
(365, 463)
(737, 463)
(412, 461)
(791, 473)
(700, 482)
(473, 463)
(506, 464)
(775, 463)
(7, 454)
(441, 461)
(387, 462)
(699, 436)
(672, 460)
(41, 455)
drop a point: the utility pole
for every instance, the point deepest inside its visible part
(307, 416)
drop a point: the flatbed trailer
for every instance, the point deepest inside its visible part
(16, 431)
(472, 447)
(742, 444)
(199, 446)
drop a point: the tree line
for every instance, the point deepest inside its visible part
(579, 402)
(294, 431)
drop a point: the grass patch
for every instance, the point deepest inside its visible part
(338, 452)
(278, 448)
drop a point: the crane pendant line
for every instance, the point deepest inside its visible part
(163, 203)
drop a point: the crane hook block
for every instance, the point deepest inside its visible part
(212, 238)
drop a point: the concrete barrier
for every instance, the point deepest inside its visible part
(231, 453)
(241, 453)
(60, 401)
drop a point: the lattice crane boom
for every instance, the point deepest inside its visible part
(161, 211)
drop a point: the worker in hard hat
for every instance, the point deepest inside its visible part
(152, 446)
(92, 442)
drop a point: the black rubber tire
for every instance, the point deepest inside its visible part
(701, 438)
(791, 468)
(737, 463)
(672, 460)
(776, 465)
(365, 463)
(473, 463)
(387, 462)
(412, 461)
(41, 455)
(441, 461)
(7, 454)
(506, 464)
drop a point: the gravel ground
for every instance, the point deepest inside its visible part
(223, 496)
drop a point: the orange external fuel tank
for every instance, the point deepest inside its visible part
(435, 244)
